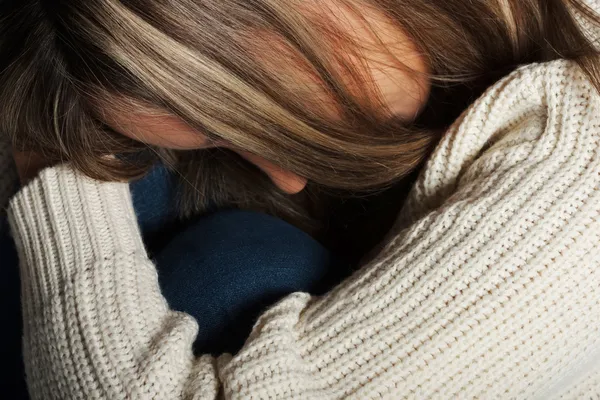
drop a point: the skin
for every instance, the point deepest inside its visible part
(393, 64)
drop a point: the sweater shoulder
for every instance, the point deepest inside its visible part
(538, 113)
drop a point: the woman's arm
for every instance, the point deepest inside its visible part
(96, 323)
(493, 291)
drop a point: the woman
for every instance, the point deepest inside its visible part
(487, 286)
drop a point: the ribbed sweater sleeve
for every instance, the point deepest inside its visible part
(488, 287)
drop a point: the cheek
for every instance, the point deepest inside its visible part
(391, 61)
(403, 93)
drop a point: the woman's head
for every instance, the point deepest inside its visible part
(389, 76)
(324, 91)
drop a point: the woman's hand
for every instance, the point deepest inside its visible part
(29, 165)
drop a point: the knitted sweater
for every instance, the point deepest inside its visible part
(488, 286)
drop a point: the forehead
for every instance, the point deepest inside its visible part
(371, 55)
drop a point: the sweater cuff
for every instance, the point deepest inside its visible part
(63, 221)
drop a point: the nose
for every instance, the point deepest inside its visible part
(287, 181)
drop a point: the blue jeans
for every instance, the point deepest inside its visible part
(225, 268)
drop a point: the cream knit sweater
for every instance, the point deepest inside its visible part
(491, 289)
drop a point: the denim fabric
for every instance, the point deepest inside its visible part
(155, 201)
(226, 267)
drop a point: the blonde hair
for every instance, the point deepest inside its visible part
(64, 62)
